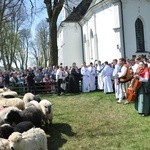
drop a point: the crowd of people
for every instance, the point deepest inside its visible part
(114, 77)
(118, 77)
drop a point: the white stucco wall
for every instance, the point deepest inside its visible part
(70, 44)
(106, 42)
(105, 24)
(90, 40)
(133, 9)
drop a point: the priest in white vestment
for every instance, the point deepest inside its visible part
(85, 78)
(117, 68)
(92, 71)
(107, 73)
(100, 83)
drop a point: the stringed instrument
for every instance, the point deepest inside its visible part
(133, 87)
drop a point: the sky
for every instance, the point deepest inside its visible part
(41, 14)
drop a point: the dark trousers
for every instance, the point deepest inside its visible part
(59, 90)
(31, 88)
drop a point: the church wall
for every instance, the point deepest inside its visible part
(132, 9)
(107, 34)
(70, 45)
(90, 40)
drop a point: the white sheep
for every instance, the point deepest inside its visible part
(17, 102)
(45, 107)
(33, 103)
(4, 89)
(4, 144)
(29, 97)
(34, 139)
(47, 110)
(9, 94)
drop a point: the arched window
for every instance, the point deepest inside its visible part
(84, 38)
(91, 34)
(139, 35)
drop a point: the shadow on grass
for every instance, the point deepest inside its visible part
(55, 131)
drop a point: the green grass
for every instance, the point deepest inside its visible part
(93, 121)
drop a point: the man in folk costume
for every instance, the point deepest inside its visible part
(115, 76)
(100, 83)
(85, 78)
(123, 76)
(107, 73)
(92, 71)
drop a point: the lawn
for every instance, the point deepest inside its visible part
(94, 121)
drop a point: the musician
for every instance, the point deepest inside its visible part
(142, 102)
(123, 75)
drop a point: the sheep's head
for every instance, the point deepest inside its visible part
(6, 130)
(37, 98)
(47, 106)
(14, 140)
(13, 117)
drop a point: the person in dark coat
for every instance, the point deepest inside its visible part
(74, 79)
(6, 79)
(30, 81)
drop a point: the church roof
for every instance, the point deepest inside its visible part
(79, 11)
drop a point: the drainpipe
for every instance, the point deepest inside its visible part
(82, 42)
(122, 24)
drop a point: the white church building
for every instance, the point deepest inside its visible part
(104, 30)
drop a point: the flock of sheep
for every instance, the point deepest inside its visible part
(21, 121)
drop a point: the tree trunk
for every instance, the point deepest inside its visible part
(53, 60)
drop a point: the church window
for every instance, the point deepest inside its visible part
(139, 35)
(91, 43)
(84, 38)
(91, 34)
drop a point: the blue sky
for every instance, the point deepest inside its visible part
(41, 14)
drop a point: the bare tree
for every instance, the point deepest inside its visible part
(35, 53)
(11, 19)
(42, 38)
(25, 35)
(54, 8)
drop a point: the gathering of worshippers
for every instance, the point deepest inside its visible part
(127, 79)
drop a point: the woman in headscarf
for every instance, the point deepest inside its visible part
(142, 102)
